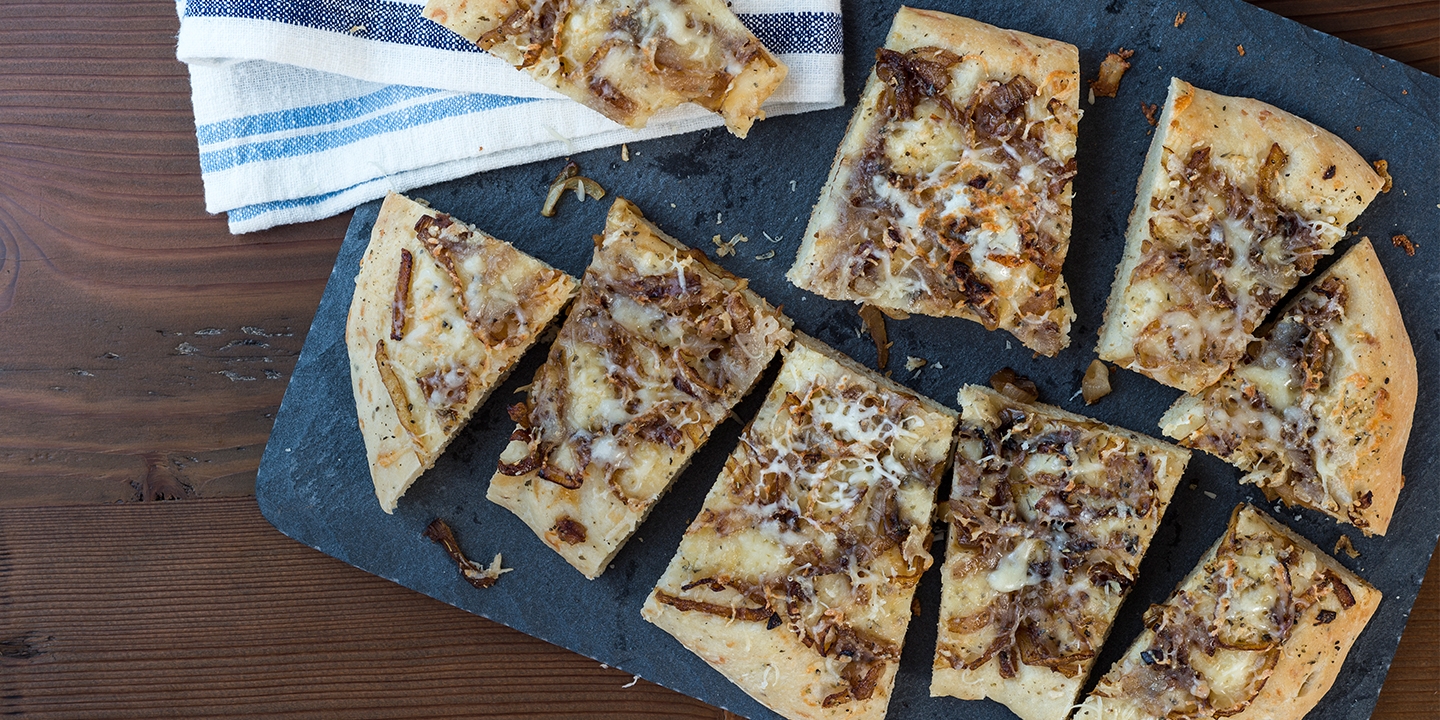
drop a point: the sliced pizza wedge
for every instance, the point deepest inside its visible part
(1257, 631)
(796, 579)
(1319, 412)
(440, 315)
(659, 347)
(950, 194)
(1236, 203)
(1050, 515)
(627, 59)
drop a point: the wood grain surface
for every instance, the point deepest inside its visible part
(143, 353)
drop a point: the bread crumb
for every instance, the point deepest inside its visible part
(1240, 49)
(357, 29)
(913, 363)
(1210, 495)
(1404, 242)
(634, 679)
(1149, 110)
(792, 186)
(765, 256)
(624, 152)
(1344, 545)
(1180, 18)
(1382, 168)
(1112, 68)
(727, 247)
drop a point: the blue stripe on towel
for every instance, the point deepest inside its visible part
(301, 117)
(246, 212)
(794, 32)
(217, 160)
(368, 19)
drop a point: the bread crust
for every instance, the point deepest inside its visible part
(767, 659)
(1324, 181)
(1035, 692)
(608, 521)
(999, 55)
(398, 456)
(1311, 657)
(1363, 414)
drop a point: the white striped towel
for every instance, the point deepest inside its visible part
(307, 108)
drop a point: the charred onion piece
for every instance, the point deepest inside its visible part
(570, 179)
(1111, 70)
(734, 613)
(1015, 386)
(1096, 383)
(474, 573)
(875, 324)
(400, 307)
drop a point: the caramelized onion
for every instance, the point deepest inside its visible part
(1112, 68)
(1096, 384)
(570, 179)
(1015, 386)
(875, 324)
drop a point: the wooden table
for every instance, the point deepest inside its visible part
(143, 353)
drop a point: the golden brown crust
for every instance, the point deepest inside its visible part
(1012, 280)
(631, 389)
(1362, 403)
(1251, 155)
(1310, 657)
(401, 444)
(794, 634)
(627, 59)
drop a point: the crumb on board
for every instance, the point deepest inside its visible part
(765, 255)
(1180, 18)
(624, 152)
(1209, 494)
(772, 239)
(1382, 168)
(727, 247)
(1404, 242)
(792, 186)
(1112, 68)
(1096, 383)
(633, 680)
(1344, 545)
(1149, 110)
(1240, 49)
(913, 363)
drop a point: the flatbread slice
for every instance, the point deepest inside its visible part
(441, 313)
(659, 347)
(1257, 631)
(1236, 203)
(950, 194)
(795, 581)
(1050, 515)
(627, 59)
(1319, 413)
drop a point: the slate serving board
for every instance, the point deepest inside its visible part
(314, 485)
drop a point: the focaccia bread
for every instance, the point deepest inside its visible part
(441, 312)
(627, 59)
(950, 194)
(1236, 203)
(659, 347)
(1050, 515)
(1319, 412)
(796, 579)
(1257, 631)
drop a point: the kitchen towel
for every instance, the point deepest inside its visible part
(307, 108)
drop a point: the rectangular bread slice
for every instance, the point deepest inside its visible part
(1235, 204)
(950, 194)
(1319, 414)
(659, 347)
(440, 315)
(1257, 631)
(795, 581)
(1050, 515)
(627, 59)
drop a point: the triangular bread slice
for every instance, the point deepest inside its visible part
(950, 194)
(1050, 515)
(796, 579)
(659, 347)
(441, 313)
(1319, 413)
(1257, 631)
(1236, 203)
(627, 60)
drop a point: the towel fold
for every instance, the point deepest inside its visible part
(307, 108)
